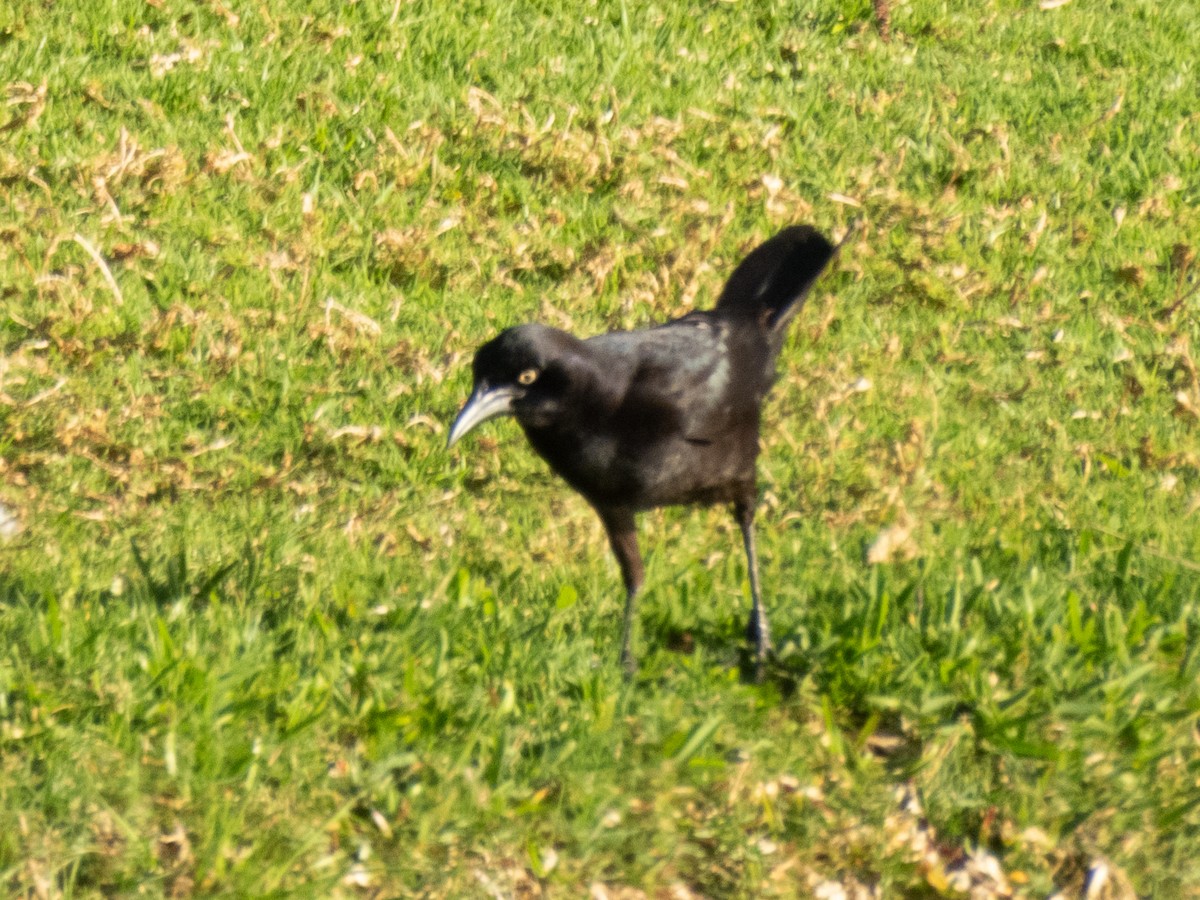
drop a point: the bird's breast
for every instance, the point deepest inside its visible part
(645, 470)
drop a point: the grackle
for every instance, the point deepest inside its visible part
(661, 416)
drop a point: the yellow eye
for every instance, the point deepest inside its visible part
(529, 376)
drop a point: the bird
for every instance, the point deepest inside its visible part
(662, 416)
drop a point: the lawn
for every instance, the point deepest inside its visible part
(262, 635)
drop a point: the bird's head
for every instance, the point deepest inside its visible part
(526, 372)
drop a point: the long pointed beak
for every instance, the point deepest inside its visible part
(485, 403)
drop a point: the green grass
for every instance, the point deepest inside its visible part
(262, 635)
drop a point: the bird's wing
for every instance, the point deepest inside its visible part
(680, 377)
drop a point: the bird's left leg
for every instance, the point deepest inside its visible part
(758, 632)
(622, 535)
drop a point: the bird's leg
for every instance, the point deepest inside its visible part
(758, 632)
(622, 535)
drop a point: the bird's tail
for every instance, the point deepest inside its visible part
(771, 283)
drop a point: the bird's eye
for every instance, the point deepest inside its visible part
(529, 376)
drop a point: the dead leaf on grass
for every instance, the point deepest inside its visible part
(10, 525)
(1134, 275)
(893, 544)
(220, 162)
(29, 101)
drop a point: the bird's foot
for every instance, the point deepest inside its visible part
(758, 637)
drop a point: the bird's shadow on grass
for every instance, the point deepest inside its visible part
(169, 577)
(15, 591)
(810, 664)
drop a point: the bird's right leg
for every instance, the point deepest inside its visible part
(622, 535)
(758, 632)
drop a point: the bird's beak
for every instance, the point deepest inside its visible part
(485, 403)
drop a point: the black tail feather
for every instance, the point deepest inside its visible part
(772, 282)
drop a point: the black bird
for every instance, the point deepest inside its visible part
(658, 417)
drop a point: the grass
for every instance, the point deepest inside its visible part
(261, 635)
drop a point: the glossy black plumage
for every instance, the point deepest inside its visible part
(662, 416)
